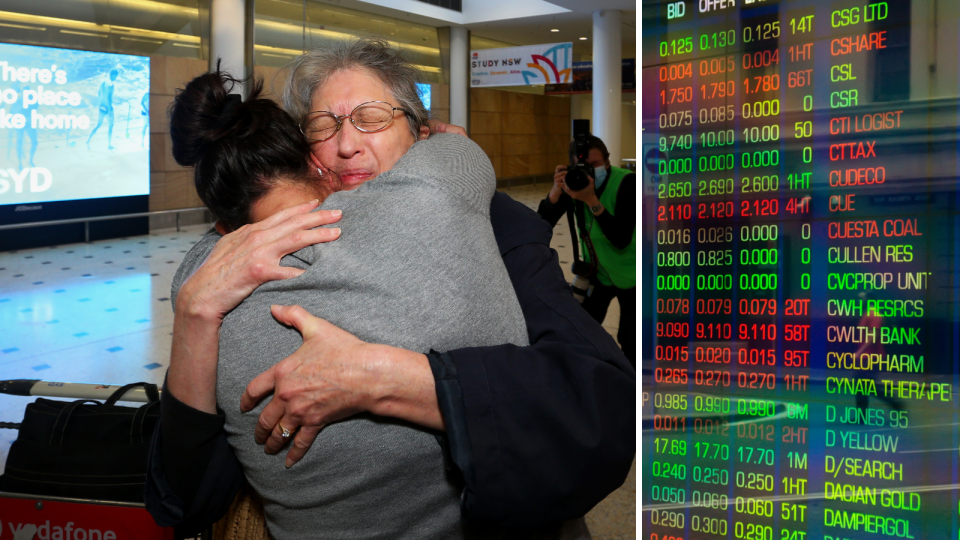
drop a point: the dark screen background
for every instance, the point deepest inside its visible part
(800, 191)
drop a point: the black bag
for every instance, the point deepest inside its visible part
(83, 449)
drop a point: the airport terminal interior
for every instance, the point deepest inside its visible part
(100, 312)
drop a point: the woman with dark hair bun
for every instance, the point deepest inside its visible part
(249, 157)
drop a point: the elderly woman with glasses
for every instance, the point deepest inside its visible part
(533, 434)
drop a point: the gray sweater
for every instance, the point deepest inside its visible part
(417, 267)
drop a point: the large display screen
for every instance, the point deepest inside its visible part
(801, 312)
(73, 125)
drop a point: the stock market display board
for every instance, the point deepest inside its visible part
(801, 312)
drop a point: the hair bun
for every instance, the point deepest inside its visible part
(232, 101)
(238, 149)
(203, 112)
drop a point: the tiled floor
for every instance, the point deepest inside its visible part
(95, 312)
(101, 313)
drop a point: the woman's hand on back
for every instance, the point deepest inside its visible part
(241, 261)
(437, 126)
(250, 256)
(332, 376)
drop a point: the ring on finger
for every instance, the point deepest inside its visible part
(284, 432)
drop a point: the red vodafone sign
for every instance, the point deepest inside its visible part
(44, 519)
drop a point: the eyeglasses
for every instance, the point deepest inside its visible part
(368, 117)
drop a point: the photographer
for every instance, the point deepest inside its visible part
(605, 212)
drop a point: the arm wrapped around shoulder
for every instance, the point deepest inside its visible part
(454, 163)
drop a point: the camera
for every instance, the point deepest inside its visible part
(581, 286)
(578, 177)
(577, 174)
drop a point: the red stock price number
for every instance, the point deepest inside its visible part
(713, 330)
(757, 332)
(673, 305)
(713, 306)
(673, 329)
(759, 207)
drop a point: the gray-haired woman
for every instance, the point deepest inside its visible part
(559, 444)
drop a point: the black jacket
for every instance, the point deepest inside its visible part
(539, 433)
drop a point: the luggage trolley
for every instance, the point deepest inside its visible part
(43, 517)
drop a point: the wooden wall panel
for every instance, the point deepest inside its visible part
(533, 130)
(171, 186)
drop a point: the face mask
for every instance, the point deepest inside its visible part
(599, 176)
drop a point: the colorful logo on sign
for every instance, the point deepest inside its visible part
(546, 65)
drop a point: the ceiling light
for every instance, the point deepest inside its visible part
(554, 29)
(23, 27)
(583, 39)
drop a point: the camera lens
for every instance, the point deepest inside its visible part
(577, 179)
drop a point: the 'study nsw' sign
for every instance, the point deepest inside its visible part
(522, 66)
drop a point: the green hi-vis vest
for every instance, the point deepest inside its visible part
(618, 267)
